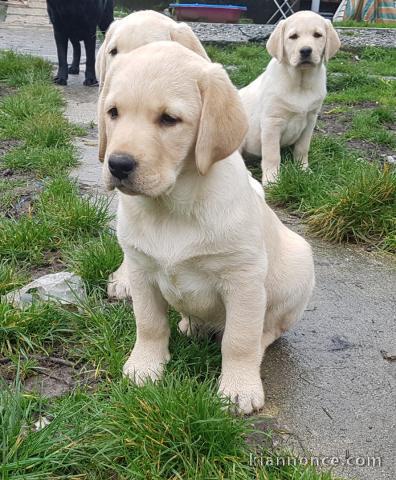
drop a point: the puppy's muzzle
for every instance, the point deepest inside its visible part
(305, 53)
(121, 165)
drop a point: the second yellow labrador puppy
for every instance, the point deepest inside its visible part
(283, 103)
(140, 28)
(193, 224)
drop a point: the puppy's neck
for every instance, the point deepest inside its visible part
(306, 79)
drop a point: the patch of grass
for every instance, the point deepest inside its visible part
(356, 24)
(38, 327)
(70, 215)
(368, 60)
(42, 161)
(244, 63)
(60, 215)
(352, 89)
(369, 125)
(362, 211)
(95, 260)
(17, 70)
(8, 193)
(343, 198)
(174, 429)
(11, 276)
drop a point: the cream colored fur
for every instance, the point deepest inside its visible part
(283, 103)
(193, 224)
(140, 28)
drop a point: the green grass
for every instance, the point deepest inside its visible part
(60, 215)
(354, 23)
(11, 276)
(370, 125)
(18, 70)
(178, 428)
(95, 260)
(369, 60)
(343, 198)
(42, 161)
(244, 63)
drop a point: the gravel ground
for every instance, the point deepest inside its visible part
(39, 41)
(350, 37)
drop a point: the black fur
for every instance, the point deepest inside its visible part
(77, 20)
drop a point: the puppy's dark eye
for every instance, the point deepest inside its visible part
(113, 52)
(294, 36)
(113, 112)
(168, 121)
(317, 35)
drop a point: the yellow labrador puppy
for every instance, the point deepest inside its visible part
(283, 103)
(140, 28)
(193, 224)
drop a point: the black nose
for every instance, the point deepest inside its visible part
(305, 52)
(121, 165)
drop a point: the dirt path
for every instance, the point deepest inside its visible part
(329, 385)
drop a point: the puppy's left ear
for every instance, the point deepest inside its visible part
(184, 35)
(275, 41)
(332, 41)
(101, 120)
(223, 124)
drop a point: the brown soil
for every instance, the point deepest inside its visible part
(50, 376)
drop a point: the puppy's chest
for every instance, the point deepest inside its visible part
(189, 285)
(185, 267)
(293, 129)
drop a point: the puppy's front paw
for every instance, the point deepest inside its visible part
(245, 391)
(118, 285)
(145, 365)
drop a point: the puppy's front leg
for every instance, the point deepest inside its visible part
(270, 151)
(150, 353)
(241, 346)
(301, 147)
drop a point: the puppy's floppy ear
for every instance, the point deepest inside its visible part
(332, 41)
(101, 64)
(223, 124)
(101, 120)
(275, 41)
(183, 34)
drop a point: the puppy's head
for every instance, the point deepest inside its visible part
(164, 109)
(303, 40)
(141, 28)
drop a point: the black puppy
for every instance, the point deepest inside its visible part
(76, 20)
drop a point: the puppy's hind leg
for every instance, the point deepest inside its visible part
(118, 284)
(74, 68)
(301, 147)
